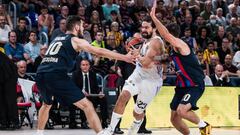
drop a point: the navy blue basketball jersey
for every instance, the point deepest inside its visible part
(188, 70)
(60, 56)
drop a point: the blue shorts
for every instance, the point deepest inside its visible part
(58, 86)
(187, 95)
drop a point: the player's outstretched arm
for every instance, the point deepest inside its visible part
(81, 44)
(175, 42)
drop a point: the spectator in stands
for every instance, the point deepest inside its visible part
(209, 52)
(139, 10)
(8, 95)
(73, 6)
(99, 42)
(108, 7)
(228, 66)
(114, 18)
(14, 50)
(171, 3)
(4, 30)
(32, 48)
(190, 40)
(22, 31)
(207, 10)
(126, 12)
(201, 59)
(38, 60)
(212, 26)
(214, 60)
(85, 3)
(236, 60)
(22, 70)
(203, 38)
(236, 4)
(218, 38)
(95, 6)
(111, 43)
(86, 34)
(190, 24)
(94, 29)
(220, 77)
(45, 21)
(220, 4)
(63, 15)
(182, 12)
(4, 13)
(232, 71)
(224, 50)
(207, 79)
(232, 13)
(81, 13)
(86, 80)
(95, 18)
(233, 27)
(200, 22)
(220, 18)
(117, 34)
(59, 31)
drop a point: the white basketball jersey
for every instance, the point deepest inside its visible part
(155, 70)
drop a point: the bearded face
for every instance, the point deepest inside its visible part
(146, 30)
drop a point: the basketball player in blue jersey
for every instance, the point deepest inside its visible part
(53, 81)
(189, 83)
(145, 81)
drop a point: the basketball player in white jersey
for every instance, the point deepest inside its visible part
(145, 81)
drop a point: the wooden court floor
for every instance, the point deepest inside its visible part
(157, 131)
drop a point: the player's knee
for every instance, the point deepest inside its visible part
(181, 111)
(87, 105)
(124, 97)
(138, 115)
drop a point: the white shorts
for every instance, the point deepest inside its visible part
(145, 88)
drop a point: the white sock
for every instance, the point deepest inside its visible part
(114, 120)
(201, 124)
(135, 127)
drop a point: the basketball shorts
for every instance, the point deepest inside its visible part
(58, 86)
(187, 95)
(145, 88)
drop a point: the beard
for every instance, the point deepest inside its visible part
(80, 33)
(146, 35)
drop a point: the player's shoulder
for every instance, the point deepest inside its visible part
(157, 39)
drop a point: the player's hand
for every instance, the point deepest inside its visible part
(130, 58)
(134, 51)
(153, 10)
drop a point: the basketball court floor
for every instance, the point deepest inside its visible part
(159, 131)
